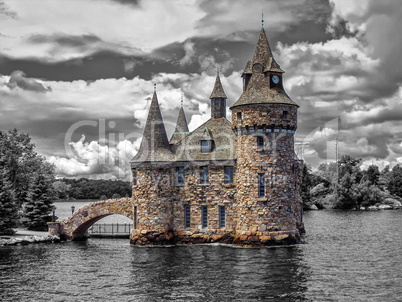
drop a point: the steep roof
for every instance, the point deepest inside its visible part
(263, 54)
(181, 129)
(258, 90)
(181, 124)
(218, 92)
(154, 145)
(218, 130)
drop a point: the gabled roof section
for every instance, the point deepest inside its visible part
(218, 92)
(154, 145)
(218, 130)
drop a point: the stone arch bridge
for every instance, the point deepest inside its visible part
(74, 227)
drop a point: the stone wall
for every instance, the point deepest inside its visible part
(153, 197)
(280, 210)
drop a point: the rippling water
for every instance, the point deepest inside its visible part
(346, 256)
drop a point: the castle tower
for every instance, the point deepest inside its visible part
(152, 193)
(218, 100)
(268, 174)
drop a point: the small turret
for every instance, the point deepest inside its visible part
(218, 100)
(154, 145)
(181, 129)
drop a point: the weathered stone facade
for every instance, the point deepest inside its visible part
(230, 182)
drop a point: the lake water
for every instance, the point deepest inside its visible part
(345, 256)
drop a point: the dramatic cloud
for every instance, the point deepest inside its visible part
(91, 159)
(74, 68)
(19, 79)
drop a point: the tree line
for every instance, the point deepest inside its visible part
(84, 188)
(345, 185)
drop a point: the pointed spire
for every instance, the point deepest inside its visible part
(262, 19)
(263, 51)
(181, 129)
(154, 144)
(263, 54)
(218, 92)
(181, 124)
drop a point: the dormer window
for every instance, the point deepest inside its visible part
(206, 146)
(257, 68)
(285, 115)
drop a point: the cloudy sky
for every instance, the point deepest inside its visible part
(78, 75)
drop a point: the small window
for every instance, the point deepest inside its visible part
(261, 185)
(276, 130)
(284, 131)
(222, 217)
(268, 130)
(180, 175)
(260, 130)
(204, 177)
(228, 174)
(135, 222)
(260, 142)
(206, 146)
(285, 115)
(204, 216)
(134, 171)
(239, 120)
(187, 216)
(251, 130)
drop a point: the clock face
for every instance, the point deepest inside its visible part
(275, 79)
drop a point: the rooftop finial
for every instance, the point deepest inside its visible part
(262, 18)
(182, 94)
(154, 87)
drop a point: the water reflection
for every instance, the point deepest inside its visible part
(345, 257)
(218, 273)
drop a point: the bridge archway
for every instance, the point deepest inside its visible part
(75, 227)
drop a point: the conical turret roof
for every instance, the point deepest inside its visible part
(263, 54)
(218, 92)
(181, 129)
(154, 145)
(258, 90)
(181, 124)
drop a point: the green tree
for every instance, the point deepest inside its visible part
(395, 181)
(37, 209)
(8, 208)
(61, 189)
(372, 174)
(306, 185)
(19, 159)
(346, 196)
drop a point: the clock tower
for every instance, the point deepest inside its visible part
(268, 176)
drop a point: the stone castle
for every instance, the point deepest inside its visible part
(235, 182)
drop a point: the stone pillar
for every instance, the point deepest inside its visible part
(55, 229)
